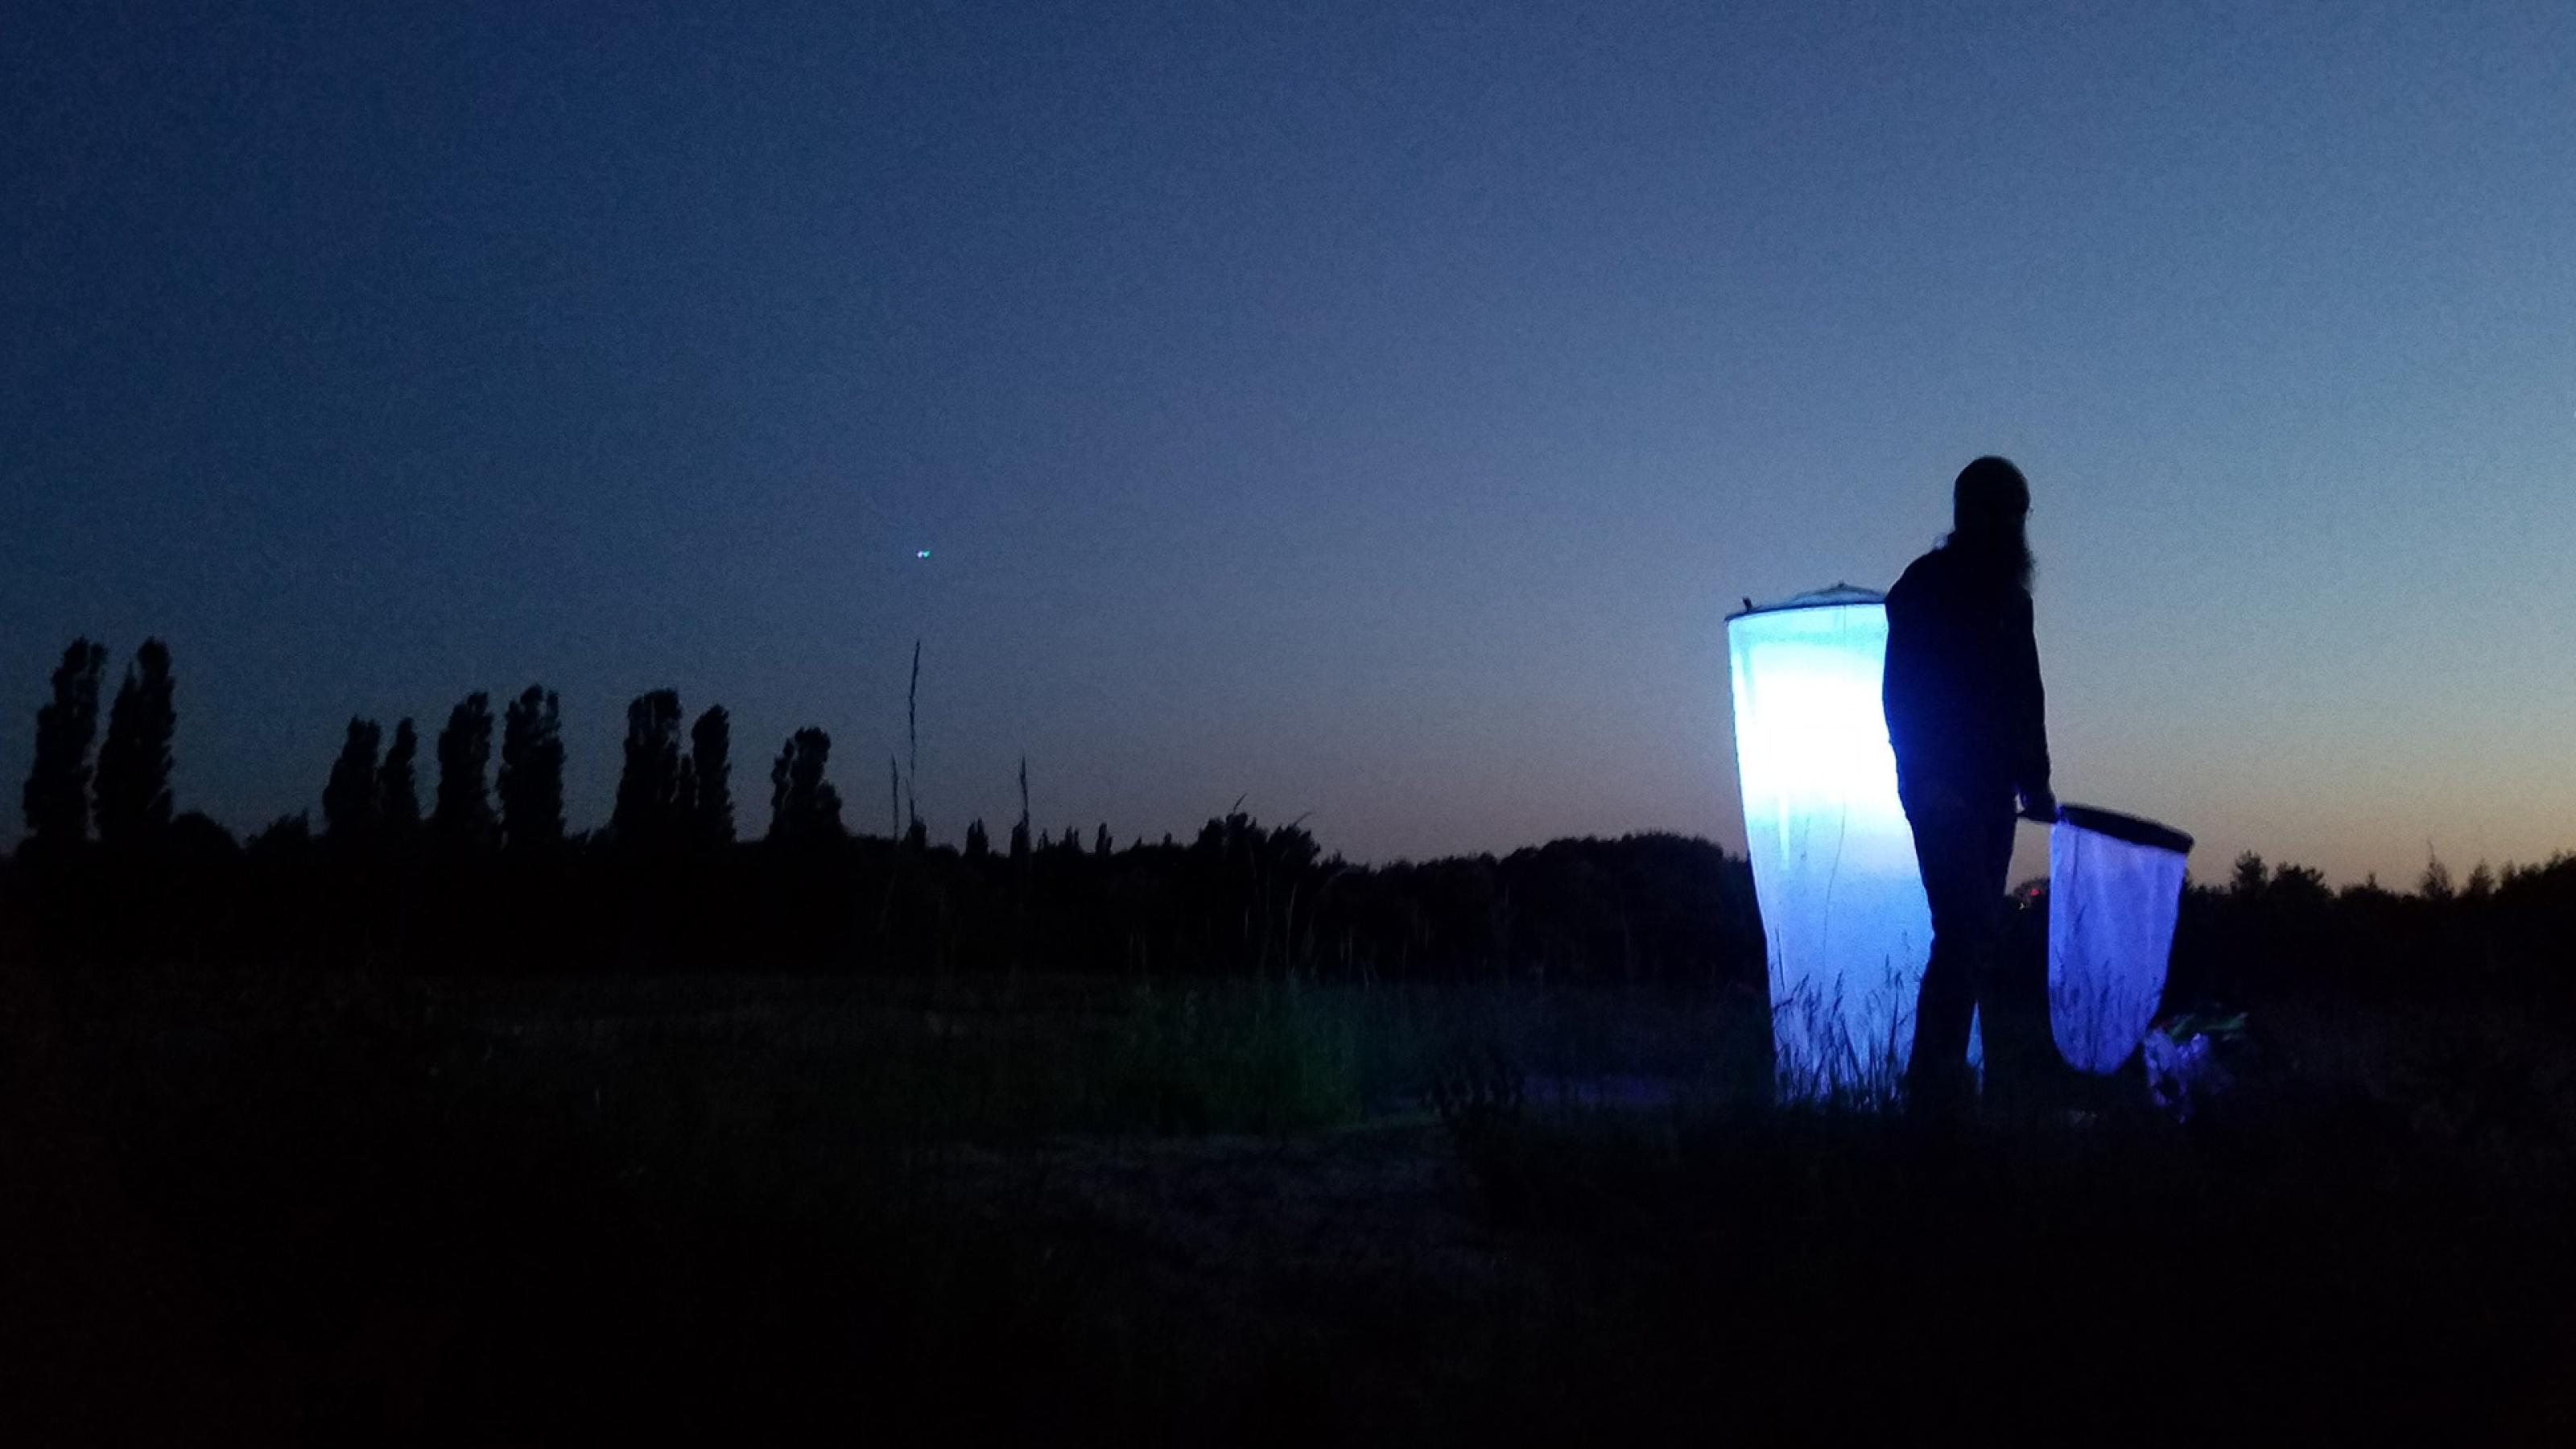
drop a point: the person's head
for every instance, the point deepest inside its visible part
(1988, 507)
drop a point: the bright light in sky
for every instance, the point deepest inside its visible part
(1833, 859)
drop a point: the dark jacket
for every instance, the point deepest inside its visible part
(1964, 708)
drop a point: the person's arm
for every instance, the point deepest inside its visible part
(2031, 723)
(1900, 688)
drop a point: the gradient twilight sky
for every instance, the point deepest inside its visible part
(1367, 410)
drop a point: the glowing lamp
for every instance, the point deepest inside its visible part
(1843, 912)
(2114, 885)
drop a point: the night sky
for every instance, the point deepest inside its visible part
(1367, 411)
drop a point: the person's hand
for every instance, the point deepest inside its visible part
(2039, 805)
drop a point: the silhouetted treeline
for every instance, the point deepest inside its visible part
(1240, 898)
(2267, 930)
(665, 885)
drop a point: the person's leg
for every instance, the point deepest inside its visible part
(1948, 851)
(2012, 1012)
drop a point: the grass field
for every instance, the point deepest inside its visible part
(342, 1210)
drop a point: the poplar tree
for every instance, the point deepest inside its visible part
(350, 804)
(56, 799)
(1020, 830)
(532, 761)
(397, 788)
(711, 757)
(463, 814)
(803, 806)
(134, 761)
(648, 791)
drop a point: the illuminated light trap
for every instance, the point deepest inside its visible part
(1845, 924)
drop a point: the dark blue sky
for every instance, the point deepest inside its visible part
(1367, 410)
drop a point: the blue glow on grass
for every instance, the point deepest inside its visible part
(1833, 859)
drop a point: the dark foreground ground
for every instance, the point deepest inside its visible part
(293, 1210)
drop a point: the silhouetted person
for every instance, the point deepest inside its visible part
(1964, 712)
